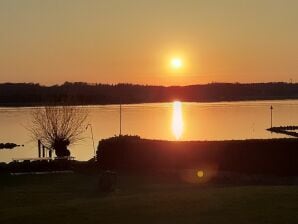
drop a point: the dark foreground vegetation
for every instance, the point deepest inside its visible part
(252, 181)
(29, 94)
(48, 166)
(265, 157)
(74, 198)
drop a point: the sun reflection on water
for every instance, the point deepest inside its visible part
(177, 123)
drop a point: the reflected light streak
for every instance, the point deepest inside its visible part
(177, 123)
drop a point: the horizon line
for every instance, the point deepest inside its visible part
(148, 85)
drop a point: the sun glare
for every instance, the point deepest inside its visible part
(176, 63)
(177, 124)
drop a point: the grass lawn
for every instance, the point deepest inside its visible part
(74, 198)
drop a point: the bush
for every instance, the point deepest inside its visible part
(272, 156)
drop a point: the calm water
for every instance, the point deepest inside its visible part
(201, 121)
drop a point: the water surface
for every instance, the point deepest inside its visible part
(201, 121)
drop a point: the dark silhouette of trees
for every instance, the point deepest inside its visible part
(30, 94)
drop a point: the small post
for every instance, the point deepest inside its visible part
(120, 119)
(271, 109)
(43, 151)
(39, 148)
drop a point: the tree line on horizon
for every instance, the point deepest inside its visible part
(80, 93)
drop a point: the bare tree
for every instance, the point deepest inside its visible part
(57, 127)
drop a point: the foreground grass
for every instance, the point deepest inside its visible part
(74, 198)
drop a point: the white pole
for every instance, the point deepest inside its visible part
(92, 140)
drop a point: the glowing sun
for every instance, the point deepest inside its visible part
(176, 63)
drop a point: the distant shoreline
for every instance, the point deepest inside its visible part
(32, 95)
(113, 104)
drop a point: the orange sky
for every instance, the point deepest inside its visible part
(112, 41)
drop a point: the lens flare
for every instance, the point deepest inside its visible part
(177, 124)
(200, 173)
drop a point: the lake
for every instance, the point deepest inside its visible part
(196, 121)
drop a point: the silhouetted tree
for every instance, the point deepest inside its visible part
(58, 127)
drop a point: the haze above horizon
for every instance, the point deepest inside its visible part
(158, 42)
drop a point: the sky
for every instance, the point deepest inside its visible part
(134, 41)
